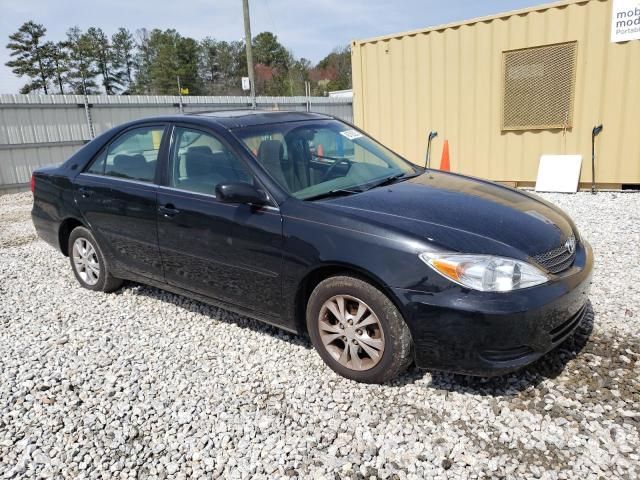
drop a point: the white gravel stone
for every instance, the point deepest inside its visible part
(146, 384)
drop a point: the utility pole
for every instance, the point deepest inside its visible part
(247, 42)
(180, 95)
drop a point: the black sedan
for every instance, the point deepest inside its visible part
(305, 222)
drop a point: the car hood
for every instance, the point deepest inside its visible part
(461, 213)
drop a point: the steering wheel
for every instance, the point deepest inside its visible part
(332, 168)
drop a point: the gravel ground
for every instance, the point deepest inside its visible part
(146, 384)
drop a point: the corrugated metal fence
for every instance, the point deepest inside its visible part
(38, 130)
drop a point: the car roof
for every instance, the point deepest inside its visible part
(237, 118)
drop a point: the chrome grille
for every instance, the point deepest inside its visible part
(556, 260)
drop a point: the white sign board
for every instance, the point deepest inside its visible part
(559, 173)
(625, 20)
(246, 85)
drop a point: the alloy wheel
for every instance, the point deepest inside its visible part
(85, 261)
(351, 332)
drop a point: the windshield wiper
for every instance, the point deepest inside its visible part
(392, 179)
(364, 187)
(333, 193)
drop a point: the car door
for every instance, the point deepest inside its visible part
(228, 252)
(117, 196)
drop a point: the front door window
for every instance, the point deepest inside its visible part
(199, 162)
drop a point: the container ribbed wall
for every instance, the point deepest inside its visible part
(449, 79)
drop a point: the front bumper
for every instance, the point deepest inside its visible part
(488, 334)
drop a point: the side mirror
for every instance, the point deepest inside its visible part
(240, 192)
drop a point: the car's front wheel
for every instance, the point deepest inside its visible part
(88, 262)
(357, 330)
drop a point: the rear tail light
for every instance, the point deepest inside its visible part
(33, 183)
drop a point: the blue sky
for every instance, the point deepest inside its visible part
(309, 29)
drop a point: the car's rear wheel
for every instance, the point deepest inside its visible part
(88, 262)
(357, 330)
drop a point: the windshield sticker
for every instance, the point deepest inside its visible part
(351, 134)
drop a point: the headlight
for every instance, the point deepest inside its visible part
(486, 273)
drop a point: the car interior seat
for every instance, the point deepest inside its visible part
(270, 155)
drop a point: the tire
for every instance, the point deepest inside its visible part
(382, 330)
(85, 255)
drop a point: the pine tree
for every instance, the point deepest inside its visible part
(57, 60)
(29, 57)
(209, 66)
(163, 56)
(270, 53)
(82, 70)
(123, 46)
(232, 66)
(152, 61)
(187, 62)
(143, 60)
(102, 55)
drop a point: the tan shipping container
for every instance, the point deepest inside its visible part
(450, 79)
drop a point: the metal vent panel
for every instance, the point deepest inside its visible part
(538, 87)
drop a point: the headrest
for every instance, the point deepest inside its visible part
(270, 151)
(138, 160)
(198, 164)
(200, 149)
(129, 161)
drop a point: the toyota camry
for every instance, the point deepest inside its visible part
(307, 223)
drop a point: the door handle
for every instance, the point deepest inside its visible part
(168, 210)
(85, 192)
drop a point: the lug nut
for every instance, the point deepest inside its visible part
(354, 341)
(359, 332)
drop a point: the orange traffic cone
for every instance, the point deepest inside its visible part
(320, 150)
(444, 161)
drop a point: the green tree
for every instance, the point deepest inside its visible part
(336, 68)
(297, 75)
(222, 65)
(164, 68)
(124, 51)
(57, 60)
(82, 70)
(267, 50)
(29, 57)
(209, 64)
(233, 66)
(143, 62)
(163, 57)
(152, 61)
(187, 50)
(103, 56)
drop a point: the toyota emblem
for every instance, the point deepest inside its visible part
(570, 244)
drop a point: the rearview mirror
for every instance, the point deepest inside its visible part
(240, 192)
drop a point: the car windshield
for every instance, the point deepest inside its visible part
(313, 159)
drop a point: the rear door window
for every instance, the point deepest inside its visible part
(132, 156)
